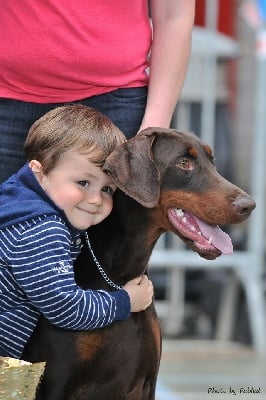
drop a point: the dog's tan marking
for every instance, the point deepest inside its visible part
(193, 152)
(88, 344)
(212, 206)
(208, 151)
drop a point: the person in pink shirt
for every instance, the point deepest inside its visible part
(107, 55)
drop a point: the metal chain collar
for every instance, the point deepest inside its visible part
(102, 272)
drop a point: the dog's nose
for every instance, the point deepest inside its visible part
(244, 205)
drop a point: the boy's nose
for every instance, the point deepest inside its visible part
(94, 198)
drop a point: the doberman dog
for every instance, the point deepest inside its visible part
(167, 181)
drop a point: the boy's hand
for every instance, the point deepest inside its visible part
(140, 291)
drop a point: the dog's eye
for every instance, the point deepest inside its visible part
(185, 164)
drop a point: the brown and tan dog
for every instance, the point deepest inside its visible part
(168, 182)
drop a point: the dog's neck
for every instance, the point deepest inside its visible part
(126, 238)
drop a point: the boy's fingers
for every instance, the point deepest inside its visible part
(137, 280)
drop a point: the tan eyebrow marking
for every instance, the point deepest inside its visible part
(208, 151)
(193, 152)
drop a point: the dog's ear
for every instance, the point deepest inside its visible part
(133, 170)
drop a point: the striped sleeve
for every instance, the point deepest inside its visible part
(42, 266)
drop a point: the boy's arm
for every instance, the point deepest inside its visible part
(43, 268)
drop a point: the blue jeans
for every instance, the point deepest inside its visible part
(125, 107)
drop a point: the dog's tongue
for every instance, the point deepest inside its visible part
(219, 238)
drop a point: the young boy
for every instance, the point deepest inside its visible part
(44, 208)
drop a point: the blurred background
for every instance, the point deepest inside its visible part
(213, 313)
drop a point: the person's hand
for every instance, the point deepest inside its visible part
(140, 291)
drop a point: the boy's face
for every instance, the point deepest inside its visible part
(80, 188)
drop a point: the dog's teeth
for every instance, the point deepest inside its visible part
(210, 240)
(179, 212)
(193, 228)
(184, 219)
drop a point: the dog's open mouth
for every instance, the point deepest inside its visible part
(206, 238)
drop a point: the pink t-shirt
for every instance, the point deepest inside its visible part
(55, 51)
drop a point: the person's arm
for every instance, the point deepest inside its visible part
(43, 268)
(172, 27)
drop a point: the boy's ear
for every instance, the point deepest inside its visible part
(35, 166)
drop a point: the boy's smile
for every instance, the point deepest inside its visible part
(79, 187)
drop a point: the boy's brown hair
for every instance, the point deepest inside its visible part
(71, 127)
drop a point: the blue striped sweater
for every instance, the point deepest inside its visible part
(37, 251)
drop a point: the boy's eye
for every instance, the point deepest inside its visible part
(83, 183)
(108, 190)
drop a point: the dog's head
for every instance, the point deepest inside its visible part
(175, 172)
